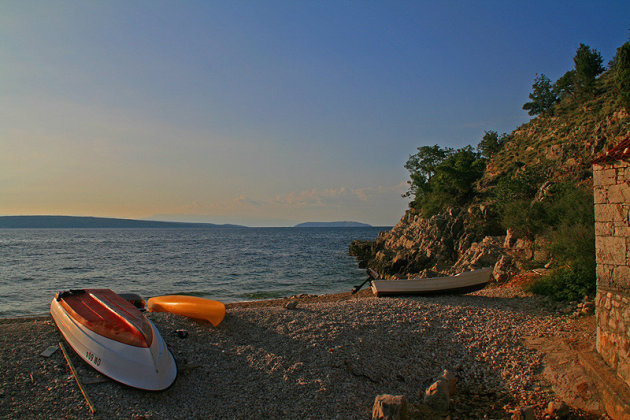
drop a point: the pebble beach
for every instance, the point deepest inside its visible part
(328, 357)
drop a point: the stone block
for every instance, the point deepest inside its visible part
(619, 213)
(390, 407)
(605, 347)
(602, 318)
(558, 409)
(621, 281)
(605, 302)
(620, 165)
(614, 193)
(604, 278)
(600, 195)
(451, 380)
(604, 176)
(602, 213)
(437, 396)
(612, 323)
(611, 250)
(604, 229)
(524, 413)
(612, 212)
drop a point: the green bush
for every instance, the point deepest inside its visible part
(567, 284)
(523, 217)
(574, 244)
(570, 212)
(515, 194)
(521, 184)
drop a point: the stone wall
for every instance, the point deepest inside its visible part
(611, 182)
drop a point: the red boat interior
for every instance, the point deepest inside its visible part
(109, 315)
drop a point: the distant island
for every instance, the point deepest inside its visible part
(76, 222)
(331, 224)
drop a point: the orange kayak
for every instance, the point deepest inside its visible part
(189, 306)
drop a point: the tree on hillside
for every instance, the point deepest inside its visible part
(421, 166)
(588, 65)
(542, 96)
(454, 181)
(565, 85)
(491, 143)
(622, 73)
(442, 177)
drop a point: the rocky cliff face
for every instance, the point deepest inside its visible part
(460, 239)
(444, 244)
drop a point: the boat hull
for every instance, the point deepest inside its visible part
(462, 283)
(149, 367)
(189, 306)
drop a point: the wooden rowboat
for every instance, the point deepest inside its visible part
(114, 337)
(467, 282)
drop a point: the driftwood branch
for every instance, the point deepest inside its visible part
(76, 377)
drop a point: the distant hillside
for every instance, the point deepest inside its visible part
(74, 222)
(331, 224)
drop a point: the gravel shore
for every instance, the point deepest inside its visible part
(328, 358)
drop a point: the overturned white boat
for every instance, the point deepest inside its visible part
(467, 282)
(114, 337)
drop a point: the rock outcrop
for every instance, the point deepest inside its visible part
(448, 243)
(442, 244)
(390, 407)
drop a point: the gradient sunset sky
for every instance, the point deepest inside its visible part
(263, 113)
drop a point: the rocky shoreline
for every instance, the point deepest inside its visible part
(329, 357)
(449, 243)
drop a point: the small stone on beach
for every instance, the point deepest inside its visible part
(291, 304)
(390, 407)
(49, 351)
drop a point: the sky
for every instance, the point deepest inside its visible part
(264, 113)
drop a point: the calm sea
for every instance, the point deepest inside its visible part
(226, 264)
